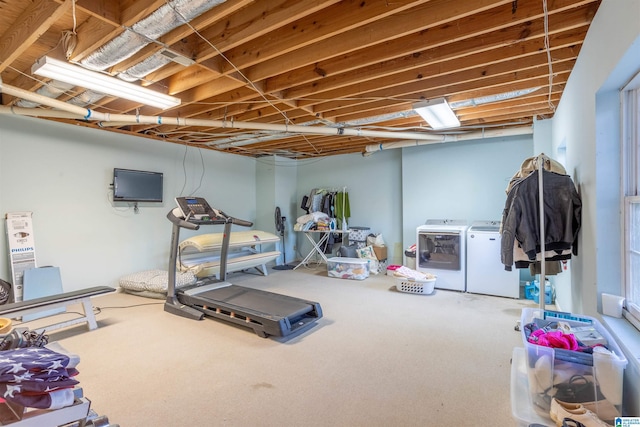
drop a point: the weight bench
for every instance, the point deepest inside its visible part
(19, 309)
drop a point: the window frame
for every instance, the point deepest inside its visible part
(631, 308)
(630, 188)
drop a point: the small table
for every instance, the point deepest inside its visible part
(317, 246)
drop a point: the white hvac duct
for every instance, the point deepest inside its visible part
(88, 114)
(481, 134)
(411, 139)
(38, 112)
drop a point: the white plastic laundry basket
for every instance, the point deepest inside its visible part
(413, 286)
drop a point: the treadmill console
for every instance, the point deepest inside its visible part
(198, 210)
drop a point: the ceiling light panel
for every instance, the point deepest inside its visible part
(437, 113)
(73, 74)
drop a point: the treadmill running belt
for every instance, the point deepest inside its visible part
(266, 303)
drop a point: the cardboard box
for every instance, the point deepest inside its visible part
(381, 252)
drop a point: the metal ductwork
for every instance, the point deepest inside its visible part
(141, 69)
(51, 90)
(168, 17)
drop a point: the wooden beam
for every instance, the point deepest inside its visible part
(34, 21)
(407, 69)
(357, 37)
(256, 20)
(406, 37)
(106, 10)
(100, 29)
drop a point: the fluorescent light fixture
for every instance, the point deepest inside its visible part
(437, 113)
(76, 75)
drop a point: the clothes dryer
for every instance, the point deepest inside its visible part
(485, 271)
(441, 250)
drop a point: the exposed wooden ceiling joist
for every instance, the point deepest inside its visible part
(314, 63)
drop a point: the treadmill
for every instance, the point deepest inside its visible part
(267, 313)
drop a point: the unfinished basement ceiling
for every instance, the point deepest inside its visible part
(255, 75)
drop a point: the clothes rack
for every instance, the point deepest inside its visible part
(552, 195)
(542, 287)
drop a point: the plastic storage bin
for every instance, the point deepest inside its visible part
(348, 268)
(521, 408)
(595, 380)
(358, 236)
(410, 258)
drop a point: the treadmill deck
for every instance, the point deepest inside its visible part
(267, 313)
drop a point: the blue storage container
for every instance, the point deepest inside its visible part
(532, 291)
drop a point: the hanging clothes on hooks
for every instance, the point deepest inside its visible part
(342, 208)
(330, 202)
(529, 166)
(521, 234)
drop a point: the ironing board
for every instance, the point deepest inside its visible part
(317, 245)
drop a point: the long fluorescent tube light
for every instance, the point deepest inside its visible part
(437, 113)
(69, 73)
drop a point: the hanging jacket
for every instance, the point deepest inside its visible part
(521, 220)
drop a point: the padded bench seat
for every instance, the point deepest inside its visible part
(83, 296)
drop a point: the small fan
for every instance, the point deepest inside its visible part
(280, 227)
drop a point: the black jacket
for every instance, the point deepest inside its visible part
(521, 221)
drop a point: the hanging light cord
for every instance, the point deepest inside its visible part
(70, 38)
(548, 49)
(249, 82)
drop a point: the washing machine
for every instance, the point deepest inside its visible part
(441, 250)
(485, 271)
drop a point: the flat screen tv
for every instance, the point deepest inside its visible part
(136, 186)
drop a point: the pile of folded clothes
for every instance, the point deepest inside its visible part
(409, 273)
(312, 221)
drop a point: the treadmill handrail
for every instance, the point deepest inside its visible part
(181, 222)
(223, 219)
(241, 222)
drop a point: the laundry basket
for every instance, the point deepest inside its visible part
(414, 286)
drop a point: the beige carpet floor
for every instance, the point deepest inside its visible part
(378, 357)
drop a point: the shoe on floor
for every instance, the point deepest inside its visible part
(574, 411)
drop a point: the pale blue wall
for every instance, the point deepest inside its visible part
(276, 186)
(62, 173)
(587, 122)
(459, 180)
(592, 149)
(394, 191)
(375, 192)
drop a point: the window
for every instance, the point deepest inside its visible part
(631, 195)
